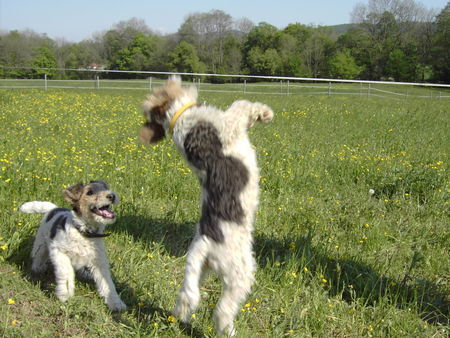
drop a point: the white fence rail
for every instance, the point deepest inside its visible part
(246, 84)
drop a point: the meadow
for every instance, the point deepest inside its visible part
(351, 237)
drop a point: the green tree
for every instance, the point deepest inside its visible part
(318, 47)
(343, 66)
(138, 55)
(184, 59)
(208, 33)
(291, 61)
(43, 59)
(400, 67)
(263, 62)
(441, 46)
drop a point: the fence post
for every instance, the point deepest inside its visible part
(281, 86)
(245, 85)
(198, 86)
(329, 88)
(150, 83)
(368, 91)
(45, 82)
(97, 85)
(288, 91)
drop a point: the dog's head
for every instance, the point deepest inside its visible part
(157, 109)
(92, 201)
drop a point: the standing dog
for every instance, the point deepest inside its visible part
(216, 146)
(73, 239)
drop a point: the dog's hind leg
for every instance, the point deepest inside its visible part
(39, 256)
(237, 283)
(189, 295)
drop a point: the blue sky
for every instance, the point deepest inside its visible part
(78, 20)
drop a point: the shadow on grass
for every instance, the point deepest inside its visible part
(349, 278)
(352, 280)
(355, 280)
(170, 234)
(174, 236)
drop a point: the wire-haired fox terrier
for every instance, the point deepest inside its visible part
(216, 146)
(72, 240)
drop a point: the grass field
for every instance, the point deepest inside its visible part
(352, 234)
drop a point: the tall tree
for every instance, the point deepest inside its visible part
(208, 33)
(43, 62)
(343, 66)
(184, 59)
(395, 25)
(139, 55)
(121, 35)
(317, 49)
(441, 46)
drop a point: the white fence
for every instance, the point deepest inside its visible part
(245, 84)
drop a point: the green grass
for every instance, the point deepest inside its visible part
(333, 258)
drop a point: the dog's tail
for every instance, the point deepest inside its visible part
(37, 207)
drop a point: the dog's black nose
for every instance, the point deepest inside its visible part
(111, 197)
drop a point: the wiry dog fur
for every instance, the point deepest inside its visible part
(216, 146)
(72, 240)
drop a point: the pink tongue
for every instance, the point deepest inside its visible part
(105, 213)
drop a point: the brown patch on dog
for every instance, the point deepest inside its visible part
(73, 194)
(155, 107)
(151, 132)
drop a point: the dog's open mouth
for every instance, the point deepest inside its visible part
(104, 211)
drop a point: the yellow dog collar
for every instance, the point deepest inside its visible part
(178, 114)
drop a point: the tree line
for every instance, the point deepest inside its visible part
(397, 40)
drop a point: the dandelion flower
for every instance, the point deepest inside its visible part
(11, 301)
(171, 319)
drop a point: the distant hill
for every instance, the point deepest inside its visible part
(342, 29)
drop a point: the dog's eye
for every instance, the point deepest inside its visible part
(90, 192)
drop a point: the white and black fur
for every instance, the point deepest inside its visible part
(216, 146)
(72, 240)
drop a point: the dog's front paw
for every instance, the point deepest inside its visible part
(116, 305)
(266, 114)
(63, 296)
(260, 112)
(183, 309)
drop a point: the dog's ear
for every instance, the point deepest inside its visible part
(151, 132)
(73, 194)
